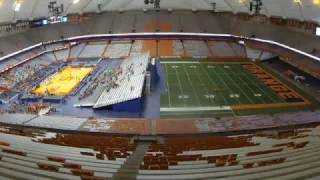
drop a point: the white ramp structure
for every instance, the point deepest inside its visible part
(130, 82)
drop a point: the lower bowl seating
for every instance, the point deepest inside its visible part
(61, 156)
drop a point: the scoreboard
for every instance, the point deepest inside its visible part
(49, 20)
(54, 20)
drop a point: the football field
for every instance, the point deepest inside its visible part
(196, 89)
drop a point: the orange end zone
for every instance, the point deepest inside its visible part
(305, 100)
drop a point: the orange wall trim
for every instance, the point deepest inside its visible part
(229, 58)
(262, 106)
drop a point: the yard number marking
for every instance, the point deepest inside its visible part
(234, 95)
(209, 96)
(183, 96)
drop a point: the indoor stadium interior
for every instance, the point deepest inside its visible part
(159, 89)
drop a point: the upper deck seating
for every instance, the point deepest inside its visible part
(76, 50)
(196, 48)
(123, 23)
(177, 48)
(221, 48)
(93, 50)
(239, 49)
(136, 48)
(8, 62)
(267, 55)
(117, 49)
(253, 53)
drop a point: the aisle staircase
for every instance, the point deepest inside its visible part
(130, 168)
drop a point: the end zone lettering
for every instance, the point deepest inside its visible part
(277, 86)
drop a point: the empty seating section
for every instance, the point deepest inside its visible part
(70, 30)
(9, 62)
(190, 23)
(123, 24)
(7, 46)
(24, 56)
(145, 19)
(150, 45)
(165, 47)
(49, 57)
(117, 49)
(16, 118)
(261, 156)
(136, 48)
(53, 46)
(22, 41)
(93, 50)
(178, 48)
(104, 27)
(267, 55)
(57, 122)
(76, 50)
(253, 53)
(239, 49)
(129, 126)
(62, 156)
(129, 81)
(196, 48)
(220, 48)
(103, 147)
(62, 54)
(48, 33)
(172, 20)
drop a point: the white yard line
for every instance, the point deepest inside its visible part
(214, 108)
(180, 86)
(168, 88)
(256, 84)
(192, 85)
(214, 84)
(204, 87)
(225, 84)
(246, 83)
(237, 86)
(179, 62)
(216, 87)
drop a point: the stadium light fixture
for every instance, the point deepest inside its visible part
(241, 1)
(297, 1)
(75, 1)
(316, 2)
(1, 2)
(16, 5)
